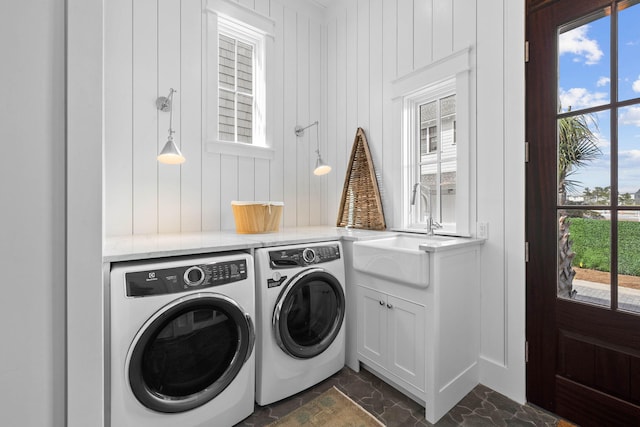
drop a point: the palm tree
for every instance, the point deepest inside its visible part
(577, 146)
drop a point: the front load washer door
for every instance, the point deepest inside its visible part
(189, 352)
(309, 313)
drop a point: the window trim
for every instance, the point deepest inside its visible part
(405, 91)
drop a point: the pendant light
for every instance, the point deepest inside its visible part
(321, 167)
(170, 153)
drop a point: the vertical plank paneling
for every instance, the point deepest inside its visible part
(169, 77)
(145, 117)
(404, 43)
(315, 182)
(262, 7)
(364, 68)
(324, 117)
(391, 143)
(443, 27)
(290, 117)
(342, 140)
(246, 178)
(118, 75)
(333, 186)
(261, 179)
(423, 35)
(228, 190)
(303, 161)
(376, 64)
(211, 182)
(464, 24)
(191, 117)
(275, 114)
(352, 78)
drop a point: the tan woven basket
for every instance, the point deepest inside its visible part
(361, 206)
(257, 217)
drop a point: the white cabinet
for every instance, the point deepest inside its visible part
(391, 334)
(422, 337)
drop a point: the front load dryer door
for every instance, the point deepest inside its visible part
(309, 313)
(189, 352)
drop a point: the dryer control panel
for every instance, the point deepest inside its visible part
(179, 279)
(302, 257)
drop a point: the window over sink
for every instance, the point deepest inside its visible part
(433, 105)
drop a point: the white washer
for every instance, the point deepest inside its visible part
(181, 342)
(300, 328)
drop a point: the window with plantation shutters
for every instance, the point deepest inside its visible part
(241, 83)
(235, 79)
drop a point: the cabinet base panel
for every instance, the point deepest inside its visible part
(386, 377)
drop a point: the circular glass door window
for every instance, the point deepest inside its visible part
(189, 352)
(309, 313)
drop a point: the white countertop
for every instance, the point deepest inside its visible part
(139, 247)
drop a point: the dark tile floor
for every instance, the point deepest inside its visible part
(481, 407)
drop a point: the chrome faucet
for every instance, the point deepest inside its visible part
(431, 224)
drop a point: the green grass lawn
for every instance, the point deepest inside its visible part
(591, 243)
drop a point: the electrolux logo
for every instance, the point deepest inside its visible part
(152, 276)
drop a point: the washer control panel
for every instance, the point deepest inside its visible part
(302, 257)
(179, 279)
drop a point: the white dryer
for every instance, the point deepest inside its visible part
(300, 328)
(181, 342)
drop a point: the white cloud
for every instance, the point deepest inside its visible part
(630, 116)
(577, 42)
(579, 97)
(633, 155)
(603, 81)
(636, 85)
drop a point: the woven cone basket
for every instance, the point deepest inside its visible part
(361, 206)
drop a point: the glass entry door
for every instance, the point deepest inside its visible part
(583, 209)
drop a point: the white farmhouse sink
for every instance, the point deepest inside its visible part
(398, 259)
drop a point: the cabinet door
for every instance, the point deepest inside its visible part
(406, 340)
(372, 325)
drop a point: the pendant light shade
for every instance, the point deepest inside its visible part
(170, 154)
(321, 167)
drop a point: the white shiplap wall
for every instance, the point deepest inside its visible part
(153, 45)
(336, 66)
(372, 42)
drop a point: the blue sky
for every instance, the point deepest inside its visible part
(584, 81)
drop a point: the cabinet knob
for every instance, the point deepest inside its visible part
(381, 302)
(389, 306)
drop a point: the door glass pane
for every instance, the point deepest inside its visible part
(629, 50)
(312, 310)
(629, 156)
(584, 256)
(629, 261)
(190, 353)
(584, 63)
(584, 159)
